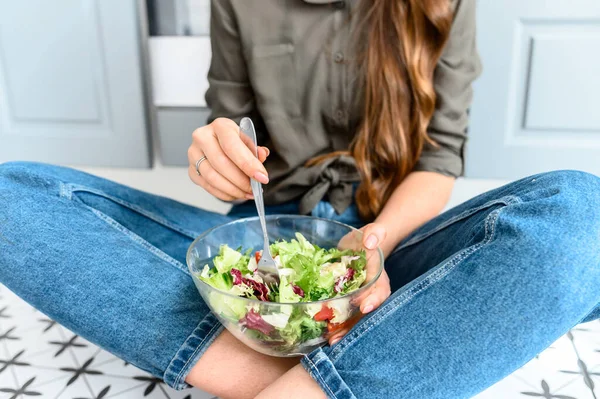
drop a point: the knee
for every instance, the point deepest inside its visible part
(577, 194)
(575, 214)
(25, 174)
(24, 183)
(564, 209)
(17, 169)
(562, 218)
(575, 179)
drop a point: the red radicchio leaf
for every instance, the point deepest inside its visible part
(349, 274)
(237, 276)
(297, 290)
(254, 321)
(260, 290)
(339, 284)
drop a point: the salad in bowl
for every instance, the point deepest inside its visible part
(323, 273)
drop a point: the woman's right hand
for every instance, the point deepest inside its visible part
(230, 160)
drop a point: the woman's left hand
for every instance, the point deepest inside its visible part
(373, 236)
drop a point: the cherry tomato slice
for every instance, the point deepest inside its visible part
(257, 256)
(335, 327)
(324, 314)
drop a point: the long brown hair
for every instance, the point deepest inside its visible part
(404, 41)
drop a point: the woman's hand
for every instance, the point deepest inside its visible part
(373, 235)
(229, 163)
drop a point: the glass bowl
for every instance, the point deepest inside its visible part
(281, 329)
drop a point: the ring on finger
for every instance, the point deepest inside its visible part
(198, 162)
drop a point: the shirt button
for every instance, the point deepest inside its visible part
(338, 57)
(339, 115)
(339, 4)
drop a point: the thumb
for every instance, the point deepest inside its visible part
(373, 235)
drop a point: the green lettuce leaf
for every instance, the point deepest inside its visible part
(221, 281)
(310, 329)
(305, 271)
(227, 259)
(301, 327)
(354, 284)
(286, 292)
(230, 308)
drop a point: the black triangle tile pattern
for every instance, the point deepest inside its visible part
(39, 358)
(67, 344)
(22, 391)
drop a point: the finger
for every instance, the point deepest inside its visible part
(381, 291)
(210, 189)
(194, 154)
(335, 338)
(199, 180)
(263, 153)
(218, 181)
(238, 152)
(373, 235)
(346, 326)
(225, 166)
(249, 143)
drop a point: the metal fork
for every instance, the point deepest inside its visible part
(266, 264)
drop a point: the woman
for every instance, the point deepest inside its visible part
(362, 108)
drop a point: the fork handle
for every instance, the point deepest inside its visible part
(260, 208)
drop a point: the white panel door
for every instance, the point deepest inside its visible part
(537, 104)
(71, 83)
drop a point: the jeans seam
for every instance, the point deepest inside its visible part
(139, 240)
(429, 281)
(508, 200)
(317, 373)
(200, 345)
(64, 190)
(74, 188)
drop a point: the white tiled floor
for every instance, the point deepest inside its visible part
(33, 362)
(40, 356)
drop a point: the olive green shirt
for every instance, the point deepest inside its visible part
(288, 64)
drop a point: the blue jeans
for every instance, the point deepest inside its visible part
(476, 292)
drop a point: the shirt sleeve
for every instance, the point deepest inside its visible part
(229, 91)
(457, 68)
